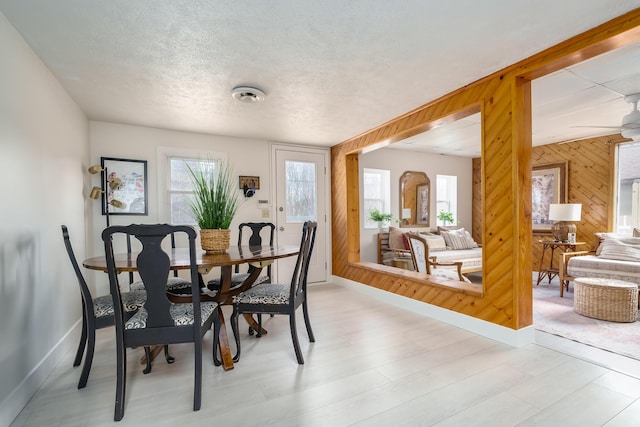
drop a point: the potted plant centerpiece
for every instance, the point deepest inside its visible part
(215, 203)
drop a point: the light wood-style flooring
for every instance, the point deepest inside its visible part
(373, 364)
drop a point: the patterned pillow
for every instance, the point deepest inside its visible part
(434, 242)
(458, 239)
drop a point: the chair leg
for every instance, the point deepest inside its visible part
(294, 338)
(307, 323)
(236, 331)
(170, 359)
(83, 339)
(216, 342)
(88, 360)
(197, 380)
(121, 380)
(147, 356)
(259, 332)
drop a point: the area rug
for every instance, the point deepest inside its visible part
(555, 315)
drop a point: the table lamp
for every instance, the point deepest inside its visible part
(563, 213)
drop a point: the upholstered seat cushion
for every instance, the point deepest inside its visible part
(471, 258)
(131, 301)
(173, 283)
(182, 315)
(237, 279)
(598, 267)
(267, 293)
(446, 273)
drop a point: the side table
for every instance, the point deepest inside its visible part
(550, 272)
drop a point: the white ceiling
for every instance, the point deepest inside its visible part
(331, 69)
(582, 101)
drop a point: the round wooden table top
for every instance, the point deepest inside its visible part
(179, 257)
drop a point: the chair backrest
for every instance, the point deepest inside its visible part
(87, 298)
(255, 239)
(419, 253)
(153, 265)
(299, 278)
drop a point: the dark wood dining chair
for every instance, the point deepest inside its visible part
(259, 232)
(271, 298)
(159, 321)
(97, 313)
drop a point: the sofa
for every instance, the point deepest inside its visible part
(616, 257)
(448, 245)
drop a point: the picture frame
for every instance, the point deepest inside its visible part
(548, 185)
(132, 191)
(422, 204)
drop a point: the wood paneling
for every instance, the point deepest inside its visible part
(505, 182)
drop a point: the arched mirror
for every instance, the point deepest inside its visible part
(415, 193)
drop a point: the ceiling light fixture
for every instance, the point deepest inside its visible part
(247, 94)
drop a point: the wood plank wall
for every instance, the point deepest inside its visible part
(589, 176)
(505, 182)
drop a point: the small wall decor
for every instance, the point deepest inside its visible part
(249, 185)
(549, 186)
(131, 190)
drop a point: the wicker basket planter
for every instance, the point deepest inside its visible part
(215, 241)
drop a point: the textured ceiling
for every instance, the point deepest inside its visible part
(330, 69)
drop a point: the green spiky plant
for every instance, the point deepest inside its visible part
(216, 198)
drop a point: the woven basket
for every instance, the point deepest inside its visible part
(215, 241)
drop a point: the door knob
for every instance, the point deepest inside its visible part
(281, 229)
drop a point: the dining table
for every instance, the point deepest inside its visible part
(256, 256)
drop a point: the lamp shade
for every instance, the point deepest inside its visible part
(565, 211)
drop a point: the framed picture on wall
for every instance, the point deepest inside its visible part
(422, 204)
(128, 196)
(549, 185)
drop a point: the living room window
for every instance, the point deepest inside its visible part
(627, 187)
(376, 193)
(446, 197)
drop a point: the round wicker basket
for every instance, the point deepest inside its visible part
(215, 241)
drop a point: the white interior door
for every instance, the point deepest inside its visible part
(301, 196)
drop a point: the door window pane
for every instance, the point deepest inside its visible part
(301, 184)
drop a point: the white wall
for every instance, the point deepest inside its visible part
(399, 161)
(44, 151)
(246, 156)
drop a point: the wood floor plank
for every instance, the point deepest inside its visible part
(372, 364)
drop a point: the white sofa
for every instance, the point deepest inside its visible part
(617, 257)
(393, 252)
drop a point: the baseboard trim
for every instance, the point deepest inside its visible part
(512, 337)
(11, 406)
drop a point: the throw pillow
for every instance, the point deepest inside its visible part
(395, 239)
(457, 239)
(442, 228)
(625, 249)
(434, 242)
(636, 232)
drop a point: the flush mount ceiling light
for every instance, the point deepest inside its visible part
(247, 94)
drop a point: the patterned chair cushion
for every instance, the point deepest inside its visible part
(173, 283)
(182, 315)
(131, 301)
(267, 293)
(237, 279)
